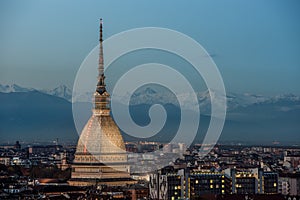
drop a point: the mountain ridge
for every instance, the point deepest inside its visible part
(149, 95)
(33, 114)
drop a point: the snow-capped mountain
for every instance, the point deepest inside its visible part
(14, 88)
(284, 97)
(249, 116)
(60, 91)
(158, 95)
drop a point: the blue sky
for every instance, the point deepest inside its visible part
(255, 44)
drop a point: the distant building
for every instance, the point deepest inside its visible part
(48, 149)
(167, 183)
(17, 146)
(176, 185)
(170, 184)
(253, 181)
(63, 164)
(137, 191)
(243, 182)
(283, 185)
(20, 161)
(289, 184)
(269, 183)
(203, 183)
(5, 160)
(294, 160)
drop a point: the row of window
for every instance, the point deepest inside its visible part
(103, 158)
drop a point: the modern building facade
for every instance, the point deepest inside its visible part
(170, 184)
(188, 183)
(253, 181)
(289, 184)
(205, 183)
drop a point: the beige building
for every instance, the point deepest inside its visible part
(5, 160)
(100, 156)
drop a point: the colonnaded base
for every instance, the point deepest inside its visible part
(98, 182)
(99, 174)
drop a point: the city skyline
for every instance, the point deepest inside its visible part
(169, 100)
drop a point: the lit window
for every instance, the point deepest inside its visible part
(223, 191)
(223, 181)
(196, 181)
(211, 181)
(211, 186)
(275, 184)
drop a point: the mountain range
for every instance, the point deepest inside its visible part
(31, 114)
(61, 91)
(152, 95)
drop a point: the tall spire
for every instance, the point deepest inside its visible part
(101, 63)
(101, 96)
(101, 85)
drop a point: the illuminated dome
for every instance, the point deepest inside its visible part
(101, 137)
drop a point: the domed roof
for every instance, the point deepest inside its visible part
(100, 136)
